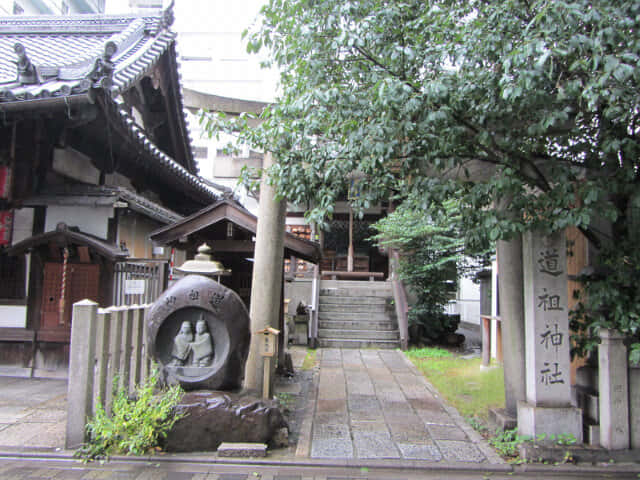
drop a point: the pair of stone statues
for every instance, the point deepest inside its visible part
(199, 348)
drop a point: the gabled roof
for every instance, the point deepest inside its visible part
(226, 210)
(51, 62)
(64, 236)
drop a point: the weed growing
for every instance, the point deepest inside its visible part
(135, 426)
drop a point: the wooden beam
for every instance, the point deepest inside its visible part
(232, 246)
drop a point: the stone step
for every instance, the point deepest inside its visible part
(359, 306)
(357, 343)
(355, 284)
(357, 324)
(357, 300)
(358, 334)
(351, 315)
(356, 292)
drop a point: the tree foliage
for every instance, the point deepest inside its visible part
(526, 110)
(433, 259)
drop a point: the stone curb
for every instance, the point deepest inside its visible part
(303, 449)
(387, 464)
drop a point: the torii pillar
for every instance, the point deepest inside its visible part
(266, 283)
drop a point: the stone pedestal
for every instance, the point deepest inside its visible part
(547, 408)
(535, 421)
(211, 418)
(300, 334)
(613, 387)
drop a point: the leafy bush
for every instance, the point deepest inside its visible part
(433, 256)
(136, 425)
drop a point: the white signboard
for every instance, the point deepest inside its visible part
(134, 287)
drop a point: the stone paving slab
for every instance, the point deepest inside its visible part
(457, 451)
(391, 412)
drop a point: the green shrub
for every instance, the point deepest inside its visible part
(136, 425)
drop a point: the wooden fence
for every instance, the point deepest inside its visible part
(106, 344)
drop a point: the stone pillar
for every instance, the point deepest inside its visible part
(510, 297)
(547, 409)
(613, 390)
(266, 282)
(81, 364)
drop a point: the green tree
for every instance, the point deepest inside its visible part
(433, 257)
(527, 104)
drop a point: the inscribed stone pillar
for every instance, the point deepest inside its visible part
(266, 282)
(547, 409)
(613, 390)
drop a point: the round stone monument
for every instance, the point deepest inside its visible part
(198, 332)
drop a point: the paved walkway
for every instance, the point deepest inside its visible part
(364, 404)
(374, 404)
(32, 412)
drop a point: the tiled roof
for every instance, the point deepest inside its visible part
(103, 195)
(65, 55)
(66, 58)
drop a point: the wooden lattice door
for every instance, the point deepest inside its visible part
(82, 282)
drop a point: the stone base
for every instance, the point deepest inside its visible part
(534, 421)
(500, 419)
(212, 417)
(242, 450)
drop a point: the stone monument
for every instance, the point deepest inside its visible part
(547, 409)
(198, 333)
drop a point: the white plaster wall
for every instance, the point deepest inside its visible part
(92, 220)
(467, 302)
(13, 316)
(22, 224)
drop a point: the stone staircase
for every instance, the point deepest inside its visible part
(354, 314)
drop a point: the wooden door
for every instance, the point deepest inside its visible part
(82, 282)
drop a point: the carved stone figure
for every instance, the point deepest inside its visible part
(209, 353)
(182, 345)
(202, 346)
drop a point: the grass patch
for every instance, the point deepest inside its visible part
(460, 381)
(309, 360)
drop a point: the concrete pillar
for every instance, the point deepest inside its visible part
(547, 409)
(81, 362)
(267, 274)
(613, 388)
(510, 297)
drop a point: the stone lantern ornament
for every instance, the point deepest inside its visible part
(198, 330)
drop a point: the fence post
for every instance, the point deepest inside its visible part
(137, 353)
(103, 328)
(146, 360)
(81, 368)
(613, 387)
(115, 347)
(127, 326)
